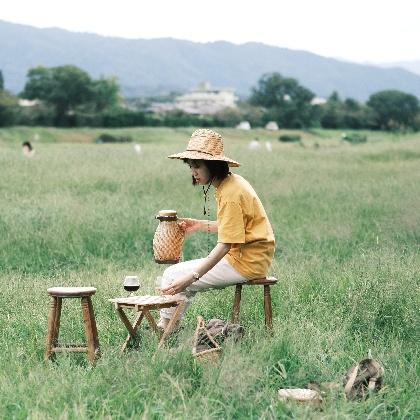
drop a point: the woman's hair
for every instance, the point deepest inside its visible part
(217, 168)
(27, 144)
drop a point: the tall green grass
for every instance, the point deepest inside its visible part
(347, 259)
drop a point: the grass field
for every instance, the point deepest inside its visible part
(346, 219)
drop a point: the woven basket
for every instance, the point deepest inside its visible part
(205, 347)
(168, 239)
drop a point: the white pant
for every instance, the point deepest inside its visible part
(220, 276)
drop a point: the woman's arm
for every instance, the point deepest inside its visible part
(194, 225)
(181, 283)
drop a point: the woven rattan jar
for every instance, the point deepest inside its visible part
(168, 239)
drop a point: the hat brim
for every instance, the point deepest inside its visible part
(203, 156)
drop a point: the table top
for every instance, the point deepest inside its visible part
(148, 301)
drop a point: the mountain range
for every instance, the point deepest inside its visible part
(413, 66)
(159, 66)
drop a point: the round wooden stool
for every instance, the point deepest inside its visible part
(57, 295)
(268, 312)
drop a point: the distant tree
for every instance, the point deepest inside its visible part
(334, 97)
(254, 114)
(394, 109)
(351, 104)
(332, 112)
(230, 117)
(8, 105)
(8, 108)
(63, 87)
(286, 101)
(345, 114)
(105, 93)
(120, 117)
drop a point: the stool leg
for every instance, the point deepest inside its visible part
(172, 322)
(95, 330)
(236, 304)
(52, 332)
(88, 329)
(57, 321)
(267, 308)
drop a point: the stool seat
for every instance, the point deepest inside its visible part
(264, 281)
(71, 291)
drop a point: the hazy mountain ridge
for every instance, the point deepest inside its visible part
(413, 66)
(160, 65)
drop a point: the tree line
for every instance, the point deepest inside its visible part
(68, 97)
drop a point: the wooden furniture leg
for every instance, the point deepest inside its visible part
(172, 322)
(236, 304)
(57, 321)
(267, 309)
(89, 329)
(152, 322)
(51, 333)
(95, 329)
(132, 329)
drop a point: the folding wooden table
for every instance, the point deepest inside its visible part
(143, 305)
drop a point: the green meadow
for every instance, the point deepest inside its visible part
(347, 223)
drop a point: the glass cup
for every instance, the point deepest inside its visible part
(158, 285)
(131, 284)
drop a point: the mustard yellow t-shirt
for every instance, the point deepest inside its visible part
(243, 222)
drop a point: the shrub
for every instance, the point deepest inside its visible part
(108, 138)
(354, 138)
(289, 138)
(123, 118)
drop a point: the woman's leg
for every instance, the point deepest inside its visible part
(220, 276)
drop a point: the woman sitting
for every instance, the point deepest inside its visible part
(245, 244)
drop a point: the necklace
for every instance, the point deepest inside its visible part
(206, 211)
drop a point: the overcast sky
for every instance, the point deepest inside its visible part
(357, 30)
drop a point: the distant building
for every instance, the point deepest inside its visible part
(28, 102)
(160, 107)
(272, 125)
(206, 100)
(318, 101)
(203, 100)
(244, 125)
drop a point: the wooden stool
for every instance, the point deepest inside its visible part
(266, 282)
(57, 295)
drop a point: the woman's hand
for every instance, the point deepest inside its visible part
(178, 285)
(189, 225)
(181, 283)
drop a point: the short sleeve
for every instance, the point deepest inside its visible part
(230, 223)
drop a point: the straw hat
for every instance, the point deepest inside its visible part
(205, 144)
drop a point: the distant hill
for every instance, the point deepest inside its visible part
(413, 66)
(145, 67)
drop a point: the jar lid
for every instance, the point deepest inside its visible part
(167, 213)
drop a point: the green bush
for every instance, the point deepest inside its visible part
(354, 138)
(123, 118)
(108, 138)
(290, 138)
